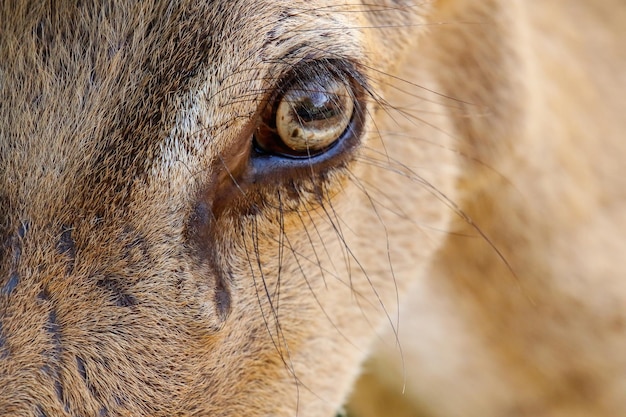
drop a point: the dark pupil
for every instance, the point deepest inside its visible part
(316, 106)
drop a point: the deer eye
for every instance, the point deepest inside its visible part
(308, 117)
(310, 124)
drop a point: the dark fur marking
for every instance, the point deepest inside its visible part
(200, 231)
(137, 247)
(23, 229)
(8, 288)
(52, 369)
(120, 401)
(80, 364)
(16, 245)
(138, 242)
(46, 369)
(222, 300)
(54, 329)
(4, 350)
(82, 370)
(40, 412)
(58, 388)
(202, 215)
(44, 295)
(66, 246)
(271, 36)
(3, 248)
(118, 294)
(104, 412)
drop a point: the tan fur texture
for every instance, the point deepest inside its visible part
(469, 233)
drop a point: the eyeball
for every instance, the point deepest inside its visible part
(310, 116)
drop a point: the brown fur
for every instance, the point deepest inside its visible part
(147, 269)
